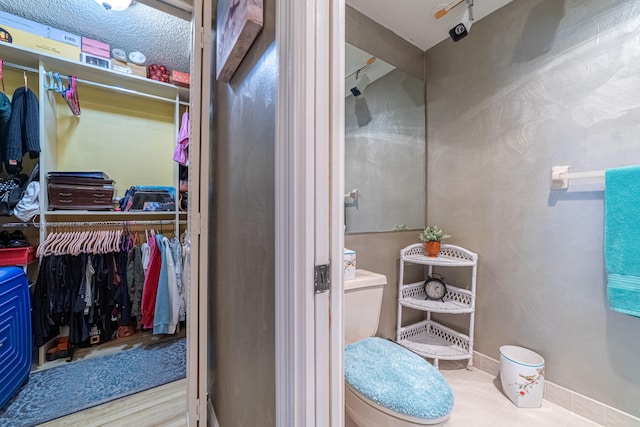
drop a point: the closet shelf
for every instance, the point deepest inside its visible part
(112, 214)
(31, 58)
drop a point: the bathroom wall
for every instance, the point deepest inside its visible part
(380, 252)
(242, 315)
(540, 83)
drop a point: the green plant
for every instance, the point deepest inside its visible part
(432, 234)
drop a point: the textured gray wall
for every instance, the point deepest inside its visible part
(242, 324)
(380, 253)
(385, 154)
(540, 83)
(163, 38)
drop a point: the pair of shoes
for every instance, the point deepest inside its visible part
(17, 240)
(60, 350)
(125, 331)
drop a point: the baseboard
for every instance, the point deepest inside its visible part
(586, 407)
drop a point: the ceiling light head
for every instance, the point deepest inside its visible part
(462, 29)
(115, 5)
(362, 80)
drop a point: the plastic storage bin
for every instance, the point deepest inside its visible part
(522, 376)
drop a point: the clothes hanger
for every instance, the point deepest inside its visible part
(70, 95)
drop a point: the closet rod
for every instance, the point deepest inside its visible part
(128, 222)
(19, 67)
(124, 90)
(18, 225)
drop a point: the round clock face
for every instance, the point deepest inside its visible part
(435, 288)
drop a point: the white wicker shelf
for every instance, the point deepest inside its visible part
(433, 340)
(456, 300)
(429, 338)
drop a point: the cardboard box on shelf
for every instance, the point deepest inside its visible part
(96, 48)
(137, 70)
(179, 78)
(22, 24)
(39, 43)
(96, 61)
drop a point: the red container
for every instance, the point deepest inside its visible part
(17, 256)
(179, 78)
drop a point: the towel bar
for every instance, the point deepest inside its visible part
(560, 176)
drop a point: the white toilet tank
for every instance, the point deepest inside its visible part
(362, 304)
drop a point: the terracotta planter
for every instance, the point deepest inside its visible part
(432, 248)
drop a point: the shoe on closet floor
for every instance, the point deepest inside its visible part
(59, 350)
(17, 240)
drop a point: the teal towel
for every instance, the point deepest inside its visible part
(622, 239)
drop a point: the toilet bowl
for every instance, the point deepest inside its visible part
(386, 385)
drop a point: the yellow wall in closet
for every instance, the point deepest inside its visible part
(128, 137)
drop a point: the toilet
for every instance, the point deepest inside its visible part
(385, 384)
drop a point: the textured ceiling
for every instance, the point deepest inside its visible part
(163, 38)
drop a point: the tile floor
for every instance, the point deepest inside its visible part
(479, 402)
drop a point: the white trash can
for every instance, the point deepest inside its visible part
(522, 376)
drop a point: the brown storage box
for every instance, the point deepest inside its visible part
(80, 197)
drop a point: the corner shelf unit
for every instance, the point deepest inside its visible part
(429, 338)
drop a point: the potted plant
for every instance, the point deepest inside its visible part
(431, 236)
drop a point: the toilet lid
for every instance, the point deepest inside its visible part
(394, 377)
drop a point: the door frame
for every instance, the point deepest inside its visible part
(198, 410)
(309, 216)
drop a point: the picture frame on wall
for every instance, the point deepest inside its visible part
(238, 25)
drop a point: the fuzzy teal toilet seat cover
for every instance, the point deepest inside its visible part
(397, 379)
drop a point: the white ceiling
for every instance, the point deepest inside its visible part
(413, 19)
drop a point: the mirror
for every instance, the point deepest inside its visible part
(384, 146)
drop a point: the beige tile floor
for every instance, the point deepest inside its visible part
(479, 402)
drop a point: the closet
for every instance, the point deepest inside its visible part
(123, 125)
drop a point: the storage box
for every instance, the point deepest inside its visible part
(17, 345)
(39, 43)
(96, 61)
(179, 78)
(95, 48)
(349, 264)
(17, 256)
(38, 29)
(137, 70)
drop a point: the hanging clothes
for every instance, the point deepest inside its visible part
(181, 152)
(150, 288)
(135, 280)
(165, 320)
(23, 133)
(179, 305)
(5, 115)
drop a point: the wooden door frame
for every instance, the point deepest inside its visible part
(309, 214)
(198, 409)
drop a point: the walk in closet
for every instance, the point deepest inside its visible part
(124, 127)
